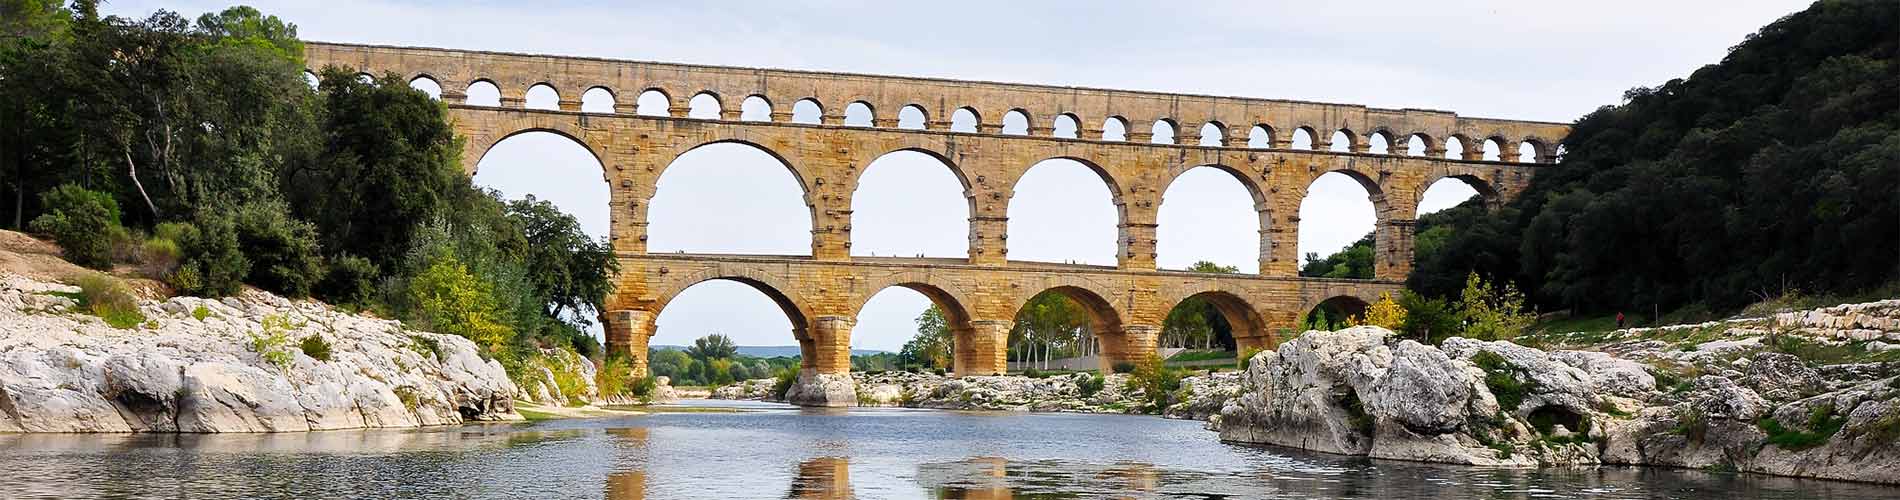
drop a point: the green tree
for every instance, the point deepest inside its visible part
(931, 346)
(572, 272)
(82, 221)
(452, 301)
(711, 347)
(1049, 326)
(1352, 262)
(1195, 322)
(1492, 313)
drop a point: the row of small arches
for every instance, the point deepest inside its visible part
(706, 105)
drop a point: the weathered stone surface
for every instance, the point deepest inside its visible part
(1610, 374)
(69, 372)
(822, 389)
(1783, 377)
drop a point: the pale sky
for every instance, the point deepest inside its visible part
(1551, 61)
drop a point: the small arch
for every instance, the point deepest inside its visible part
(1418, 144)
(1335, 312)
(1343, 141)
(1453, 190)
(1302, 138)
(755, 108)
(912, 117)
(542, 96)
(704, 106)
(1016, 122)
(1163, 132)
(964, 120)
(1261, 137)
(807, 111)
(653, 102)
(598, 100)
(483, 93)
(1529, 150)
(1455, 147)
(1115, 128)
(1379, 143)
(366, 78)
(310, 77)
(1101, 334)
(427, 85)
(859, 114)
(1493, 149)
(1213, 134)
(1066, 126)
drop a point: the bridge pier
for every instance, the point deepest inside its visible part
(983, 348)
(627, 332)
(824, 378)
(1132, 344)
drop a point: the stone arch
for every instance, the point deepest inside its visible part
(1114, 129)
(1456, 146)
(782, 292)
(477, 146)
(1351, 300)
(1425, 142)
(1351, 143)
(1382, 135)
(817, 110)
(712, 99)
(1494, 143)
(1540, 150)
(1473, 177)
(1312, 138)
(976, 120)
(1249, 327)
(1212, 133)
(852, 110)
(1262, 205)
(955, 302)
(432, 82)
(762, 113)
(1099, 304)
(612, 104)
(1016, 121)
(1260, 136)
(673, 157)
(665, 102)
(528, 97)
(1074, 126)
(1109, 177)
(913, 117)
(1172, 135)
(474, 86)
(872, 222)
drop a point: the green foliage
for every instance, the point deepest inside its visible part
(713, 347)
(931, 346)
(350, 281)
(1122, 367)
(1886, 429)
(1246, 356)
(426, 346)
(783, 382)
(1501, 377)
(1050, 325)
(1352, 262)
(1822, 424)
(1766, 172)
(564, 266)
(1157, 383)
(1691, 424)
(1492, 313)
(77, 218)
(1429, 320)
(316, 347)
(272, 343)
(1091, 385)
(450, 300)
(200, 313)
(283, 251)
(214, 264)
(110, 300)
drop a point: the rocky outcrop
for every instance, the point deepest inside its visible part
(1200, 396)
(1360, 391)
(822, 389)
(195, 366)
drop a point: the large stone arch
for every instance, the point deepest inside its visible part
(775, 287)
(957, 303)
(480, 140)
(1480, 178)
(1250, 327)
(1263, 205)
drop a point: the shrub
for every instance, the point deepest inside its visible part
(316, 348)
(350, 281)
(1690, 423)
(1122, 367)
(426, 346)
(273, 342)
(1089, 386)
(110, 300)
(214, 265)
(76, 217)
(200, 313)
(1157, 383)
(450, 300)
(1822, 425)
(644, 388)
(1032, 372)
(783, 382)
(1500, 376)
(283, 250)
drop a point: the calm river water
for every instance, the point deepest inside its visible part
(775, 451)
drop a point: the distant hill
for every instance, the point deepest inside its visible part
(772, 351)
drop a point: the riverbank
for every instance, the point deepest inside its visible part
(1791, 400)
(1198, 397)
(254, 362)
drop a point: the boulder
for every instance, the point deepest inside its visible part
(822, 389)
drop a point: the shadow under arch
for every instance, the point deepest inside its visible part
(1104, 321)
(1339, 308)
(1247, 326)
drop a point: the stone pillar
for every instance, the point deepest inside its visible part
(512, 102)
(1137, 246)
(884, 122)
(1137, 133)
(1281, 246)
(678, 111)
(983, 348)
(823, 478)
(1041, 131)
(1392, 249)
(1280, 139)
(1132, 344)
(989, 128)
(989, 240)
(627, 332)
(1322, 141)
(781, 116)
(567, 105)
(454, 95)
(938, 125)
(731, 115)
(827, 118)
(825, 379)
(1475, 151)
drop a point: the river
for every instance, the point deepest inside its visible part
(775, 451)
